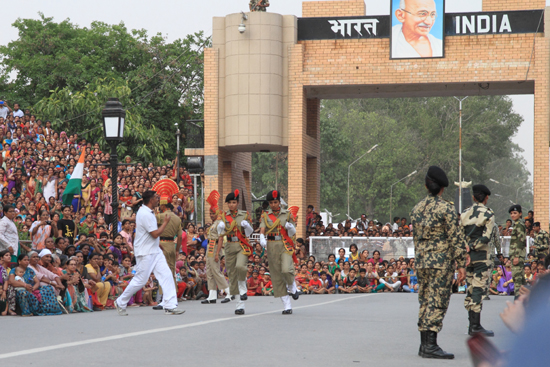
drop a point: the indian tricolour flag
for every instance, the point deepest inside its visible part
(75, 183)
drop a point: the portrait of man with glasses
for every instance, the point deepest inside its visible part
(417, 29)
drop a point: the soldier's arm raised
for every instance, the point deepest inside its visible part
(456, 237)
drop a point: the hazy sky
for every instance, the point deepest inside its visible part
(177, 18)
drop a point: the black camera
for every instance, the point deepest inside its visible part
(48, 222)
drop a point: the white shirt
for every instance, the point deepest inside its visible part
(18, 113)
(400, 48)
(8, 235)
(4, 111)
(144, 243)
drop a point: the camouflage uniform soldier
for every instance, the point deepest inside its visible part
(277, 228)
(494, 244)
(517, 248)
(236, 224)
(258, 5)
(478, 222)
(541, 245)
(438, 242)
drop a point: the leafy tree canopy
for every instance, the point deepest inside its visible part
(73, 68)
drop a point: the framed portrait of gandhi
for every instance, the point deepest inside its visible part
(417, 29)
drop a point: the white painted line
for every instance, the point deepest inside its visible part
(160, 330)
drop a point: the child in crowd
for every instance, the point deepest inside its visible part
(315, 285)
(148, 291)
(267, 289)
(326, 282)
(363, 284)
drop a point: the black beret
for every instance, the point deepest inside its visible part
(232, 196)
(536, 224)
(515, 208)
(273, 195)
(481, 189)
(438, 176)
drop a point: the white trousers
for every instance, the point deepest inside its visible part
(395, 285)
(145, 265)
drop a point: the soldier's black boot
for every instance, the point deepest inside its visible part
(475, 325)
(422, 343)
(432, 350)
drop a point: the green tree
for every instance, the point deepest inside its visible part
(164, 79)
(414, 133)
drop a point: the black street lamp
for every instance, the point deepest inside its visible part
(113, 127)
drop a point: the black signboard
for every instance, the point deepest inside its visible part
(502, 22)
(456, 24)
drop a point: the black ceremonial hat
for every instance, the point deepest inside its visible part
(481, 189)
(232, 196)
(515, 208)
(437, 175)
(273, 195)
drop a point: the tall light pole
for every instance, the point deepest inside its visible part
(352, 163)
(460, 153)
(178, 134)
(113, 127)
(391, 190)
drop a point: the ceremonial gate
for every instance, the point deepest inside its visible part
(264, 81)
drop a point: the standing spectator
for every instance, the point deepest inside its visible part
(9, 238)
(17, 112)
(310, 214)
(4, 109)
(41, 230)
(67, 226)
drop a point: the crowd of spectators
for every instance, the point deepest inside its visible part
(64, 259)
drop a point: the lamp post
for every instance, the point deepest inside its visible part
(113, 127)
(391, 190)
(178, 134)
(460, 153)
(349, 168)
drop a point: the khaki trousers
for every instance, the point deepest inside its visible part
(281, 267)
(169, 251)
(214, 275)
(235, 263)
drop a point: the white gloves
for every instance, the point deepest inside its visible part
(263, 241)
(247, 228)
(221, 228)
(290, 229)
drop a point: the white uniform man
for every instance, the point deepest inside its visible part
(412, 38)
(150, 258)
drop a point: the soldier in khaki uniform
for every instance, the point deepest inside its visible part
(277, 227)
(215, 278)
(517, 248)
(438, 244)
(173, 230)
(541, 245)
(236, 226)
(478, 222)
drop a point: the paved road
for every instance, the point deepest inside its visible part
(325, 330)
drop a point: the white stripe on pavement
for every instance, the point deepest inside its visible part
(159, 330)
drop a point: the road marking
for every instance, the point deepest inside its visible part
(159, 330)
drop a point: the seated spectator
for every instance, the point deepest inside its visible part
(350, 282)
(181, 280)
(302, 279)
(354, 252)
(76, 297)
(390, 280)
(267, 289)
(101, 290)
(506, 282)
(375, 258)
(253, 285)
(363, 284)
(32, 298)
(494, 283)
(529, 279)
(326, 281)
(332, 265)
(412, 281)
(315, 285)
(148, 289)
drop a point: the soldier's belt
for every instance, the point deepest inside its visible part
(167, 238)
(274, 238)
(233, 239)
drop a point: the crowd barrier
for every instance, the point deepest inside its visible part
(389, 247)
